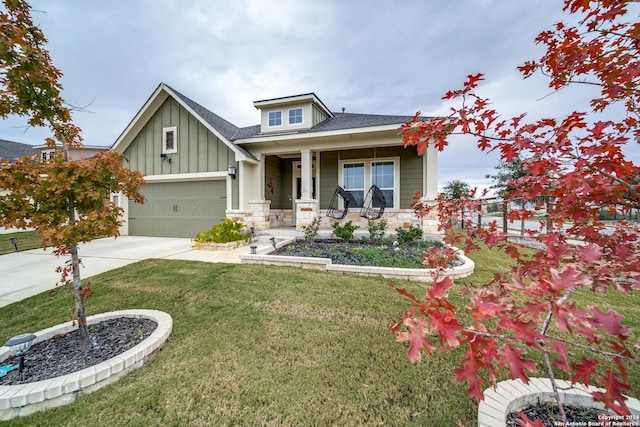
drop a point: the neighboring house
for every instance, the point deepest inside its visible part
(12, 151)
(284, 171)
(46, 151)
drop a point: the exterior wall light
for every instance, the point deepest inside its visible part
(14, 242)
(19, 345)
(231, 171)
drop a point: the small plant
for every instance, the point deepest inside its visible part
(344, 232)
(376, 229)
(410, 236)
(311, 230)
(225, 232)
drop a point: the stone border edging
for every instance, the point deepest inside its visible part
(413, 274)
(24, 399)
(511, 395)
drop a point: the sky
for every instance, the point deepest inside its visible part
(367, 56)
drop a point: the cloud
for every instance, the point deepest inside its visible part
(375, 56)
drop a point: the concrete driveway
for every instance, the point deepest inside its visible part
(23, 274)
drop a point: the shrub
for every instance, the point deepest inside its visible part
(311, 230)
(376, 229)
(344, 232)
(225, 232)
(407, 237)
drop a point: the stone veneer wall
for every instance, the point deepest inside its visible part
(262, 217)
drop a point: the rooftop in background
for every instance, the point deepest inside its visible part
(12, 151)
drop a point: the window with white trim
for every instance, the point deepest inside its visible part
(47, 154)
(169, 140)
(275, 118)
(383, 175)
(353, 181)
(295, 116)
(357, 176)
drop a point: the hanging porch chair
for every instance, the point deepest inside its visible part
(373, 204)
(334, 210)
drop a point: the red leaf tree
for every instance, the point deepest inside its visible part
(578, 163)
(67, 201)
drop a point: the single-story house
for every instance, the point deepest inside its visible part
(282, 172)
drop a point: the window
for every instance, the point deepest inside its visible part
(358, 176)
(275, 118)
(382, 175)
(295, 116)
(47, 154)
(353, 181)
(170, 140)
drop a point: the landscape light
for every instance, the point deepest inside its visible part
(19, 345)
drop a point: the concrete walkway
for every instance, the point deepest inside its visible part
(27, 273)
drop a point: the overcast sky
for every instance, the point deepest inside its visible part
(368, 56)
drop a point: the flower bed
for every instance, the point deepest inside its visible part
(337, 256)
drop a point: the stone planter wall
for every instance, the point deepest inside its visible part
(325, 264)
(211, 246)
(512, 395)
(24, 399)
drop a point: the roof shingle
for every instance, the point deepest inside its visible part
(12, 151)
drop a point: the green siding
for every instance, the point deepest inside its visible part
(280, 172)
(199, 150)
(410, 171)
(329, 178)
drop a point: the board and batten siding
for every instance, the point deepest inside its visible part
(411, 176)
(199, 150)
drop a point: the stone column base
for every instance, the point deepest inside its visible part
(306, 212)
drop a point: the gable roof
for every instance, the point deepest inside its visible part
(12, 151)
(230, 133)
(220, 127)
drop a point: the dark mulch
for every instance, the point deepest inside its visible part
(360, 252)
(549, 414)
(62, 354)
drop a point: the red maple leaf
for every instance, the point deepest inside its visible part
(416, 337)
(470, 372)
(439, 288)
(584, 370)
(610, 323)
(612, 397)
(512, 357)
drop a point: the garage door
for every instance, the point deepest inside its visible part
(178, 209)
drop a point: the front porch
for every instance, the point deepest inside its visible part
(294, 188)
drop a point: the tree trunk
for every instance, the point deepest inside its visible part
(83, 329)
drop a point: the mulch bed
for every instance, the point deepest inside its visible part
(62, 354)
(549, 414)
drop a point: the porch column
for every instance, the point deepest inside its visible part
(429, 223)
(306, 207)
(430, 173)
(306, 173)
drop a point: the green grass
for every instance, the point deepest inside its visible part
(265, 345)
(26, 240)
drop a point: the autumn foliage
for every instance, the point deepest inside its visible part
(578, 163)
(67, 201)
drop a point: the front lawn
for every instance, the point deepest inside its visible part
(266, 345)
(26, 240)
